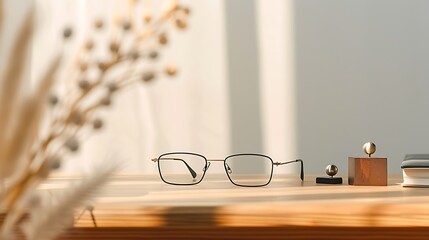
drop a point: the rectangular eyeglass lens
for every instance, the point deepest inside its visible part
(181, 168)
(249, 170)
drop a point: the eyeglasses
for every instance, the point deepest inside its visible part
(244, 170)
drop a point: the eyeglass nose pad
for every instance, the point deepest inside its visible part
(206, 167)
(229, 170)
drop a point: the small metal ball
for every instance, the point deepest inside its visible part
(331, 170)
(369, 148)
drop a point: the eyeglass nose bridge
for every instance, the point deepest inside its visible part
(206, 167)
(228, 168)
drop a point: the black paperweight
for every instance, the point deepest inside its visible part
(329, 180)
(331, 170)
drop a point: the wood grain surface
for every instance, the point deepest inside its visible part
(365, 171)
(143, 207)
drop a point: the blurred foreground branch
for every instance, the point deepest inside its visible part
(27, 154)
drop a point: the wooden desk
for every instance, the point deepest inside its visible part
(143, 207)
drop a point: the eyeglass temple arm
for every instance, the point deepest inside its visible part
(193, 173)
(293, 161)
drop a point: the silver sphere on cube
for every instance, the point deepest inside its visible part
(369, 148)
(331, 170)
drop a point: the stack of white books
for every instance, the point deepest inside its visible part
(415, 169)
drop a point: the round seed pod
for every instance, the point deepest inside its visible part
(84, 84)
(72, 144)
(54, 163)
(77, 118)
(53, 100)
(153, 55)
(126, 25)
(186, 10)
(102, 66)
(112, 87)
(67, 32)
(114, 47)
(147, 18)
(106, 101)
(171, 70)
(181, 24)
(97, 124)
(34, 200)
(162, 39)
(149, 76)
(89, 45)
(98, 24)
(83, 67)
(135, 55)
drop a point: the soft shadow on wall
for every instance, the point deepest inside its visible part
(260, 78)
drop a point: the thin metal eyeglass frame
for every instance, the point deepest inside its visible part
(207, 165)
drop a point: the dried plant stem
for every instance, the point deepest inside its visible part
(48, 221)
(14, 71)
(155, 28)
(130, 82)
(34, 110)
(59, 148)
(52, 135)
(104, 71)
(15, 192)
(73, 108)
(26, 130)
(1, 15)
(38, 160)
(81, 96)
(13, 80)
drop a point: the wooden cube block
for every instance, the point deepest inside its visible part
(364, 171)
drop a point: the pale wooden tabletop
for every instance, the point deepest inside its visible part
(145, 201)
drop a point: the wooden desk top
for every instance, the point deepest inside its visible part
(145, 202)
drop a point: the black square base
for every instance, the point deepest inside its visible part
(329, 180)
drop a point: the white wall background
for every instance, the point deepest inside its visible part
(331, 75)
(361, 75)
(275, 23)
